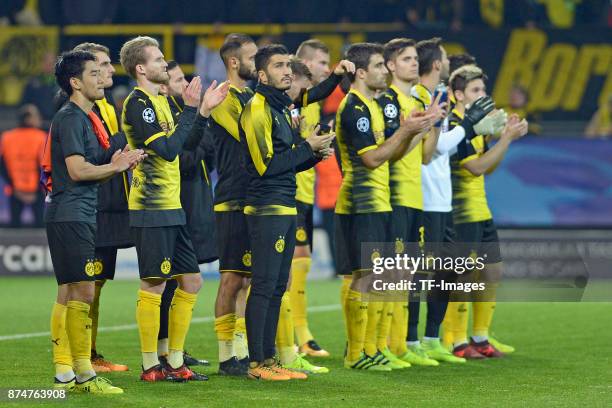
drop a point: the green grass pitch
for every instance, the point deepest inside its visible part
(563, 358)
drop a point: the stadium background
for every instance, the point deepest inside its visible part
(553, 188)
(558, 51)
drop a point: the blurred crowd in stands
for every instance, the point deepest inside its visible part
(21, 146)
(420, 13)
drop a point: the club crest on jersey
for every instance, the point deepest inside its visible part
(165, 266)
(375, 254)
(300, 234)
(390, 111)
(399, 246)
(90, 269)
(246, 258)
(280, 244)
(148, 115)
(363, 124)
(98, 267)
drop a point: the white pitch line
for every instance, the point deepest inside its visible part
(122, 327)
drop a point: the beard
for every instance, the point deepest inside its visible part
(245, 74)
(161, 77)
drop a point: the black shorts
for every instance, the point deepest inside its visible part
(353, 230)
(105, 261)
(480, 239)
(303, 233)
(407, 230)
(164, 252)
(272, 244)
(233, 243)
(72, 247)
(439, 233)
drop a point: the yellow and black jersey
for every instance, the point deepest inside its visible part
(308, 107)
(469, 196)
(271, 158)
(405, 173)
(148, 124)
(112, 218)
(360, 128)
(223, 124)
(306, 179)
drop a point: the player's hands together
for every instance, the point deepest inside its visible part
(127, 159)
(492, 124)
(344, 66)
(191, 94)
(515, 128)
(417, 122)
(213, 97)
(478, 110)
(318, 142)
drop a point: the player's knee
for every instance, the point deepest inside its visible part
(230, 284)
(82, 292)
(63, 292)
(191, 283)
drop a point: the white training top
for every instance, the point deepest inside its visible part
(436, 176)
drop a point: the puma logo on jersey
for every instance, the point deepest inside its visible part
(360, 107)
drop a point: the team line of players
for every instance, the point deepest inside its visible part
(260, 222)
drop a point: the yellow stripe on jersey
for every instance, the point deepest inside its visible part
(469, 195)
(305, 180)
(154, 137)
(257, 124)
(235, 205)
(271, 209)
(405, 173)
(107, 111)
(228, 113)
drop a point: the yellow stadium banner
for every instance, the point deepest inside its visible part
(21, 51)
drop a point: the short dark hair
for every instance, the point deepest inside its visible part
(300, 69)
(312, 44)
(71, 64)
(360, 54)
(262, 58)
(460, 79)
(428, 51)
(232, 44)
(457, 61)
(171, 65)
(396, 46)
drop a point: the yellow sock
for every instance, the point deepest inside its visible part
(456, 317)
(94, 312)
(375, 310)
(344, 289)
(399, 328)
(179, 320)
(284, 334)
(224, 328)
(483, 315)
(78, 328)
(447, 334)
(299, 271)
(384, 326)
(147, 317)
(59, 338)
(241, 346)
(484, 308)
(357, 320)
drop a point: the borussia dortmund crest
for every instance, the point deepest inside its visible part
(280, 244)
(165, 266)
